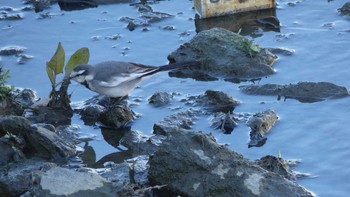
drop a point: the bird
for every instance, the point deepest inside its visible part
(117, 79)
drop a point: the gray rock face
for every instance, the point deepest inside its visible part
(302, 91)
(194, 164)
(48, 144)
(22, 176)
(59, 182)
(223, 54)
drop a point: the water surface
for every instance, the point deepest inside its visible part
(315, 133)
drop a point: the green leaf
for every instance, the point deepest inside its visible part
(52, 76)
(56, 63)
(255, 48)
(81, 56)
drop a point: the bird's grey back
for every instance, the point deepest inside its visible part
(120, 69)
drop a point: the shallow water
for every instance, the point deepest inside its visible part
(315, 133)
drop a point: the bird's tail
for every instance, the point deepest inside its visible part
(178, 65)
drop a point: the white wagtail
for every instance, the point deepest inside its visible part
(117, 79)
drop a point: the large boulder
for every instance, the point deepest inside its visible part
(193, 164)
(223, 54)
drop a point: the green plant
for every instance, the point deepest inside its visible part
(56, 64)
(4, 89)
(279, 155)
(60, 99)
(250, 47)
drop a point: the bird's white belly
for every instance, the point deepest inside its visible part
(120, 90)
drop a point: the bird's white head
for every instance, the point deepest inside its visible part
(82, 73)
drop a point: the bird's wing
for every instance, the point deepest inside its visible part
(121, 72)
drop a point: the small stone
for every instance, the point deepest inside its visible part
(169, 28)
(345, 9)
(160, 99)
(117, 116)
(23, 58)
(12, 50)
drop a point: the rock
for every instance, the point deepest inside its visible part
(68, 182)
(129, 177)
(169, 28)
(278, 166)
(23, 58)
(40, 5)
(345, 9)
(48, 144)
(69, 5)
(19, 177)
(15, 125)
(223, 121)
(8, 106)
(214, 101)
(9, 152)
(147, 17)
(224, 54)
(117, 116)
(101, 108)
(39, 140)
(11, 16)
(260, 124)
(139, 144)
(113, 1)
(282, 51)
(25, 97)
(44, 114)
(91, 113)
(160, 99)
(134, 23)
(302, 91)
(211, 101)
(270, 22)
(181, 120)
(7, 8)
(12, 50)
(193, 164)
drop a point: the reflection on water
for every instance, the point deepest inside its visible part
(252, 23)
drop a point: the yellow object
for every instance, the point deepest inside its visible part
(212, 8)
